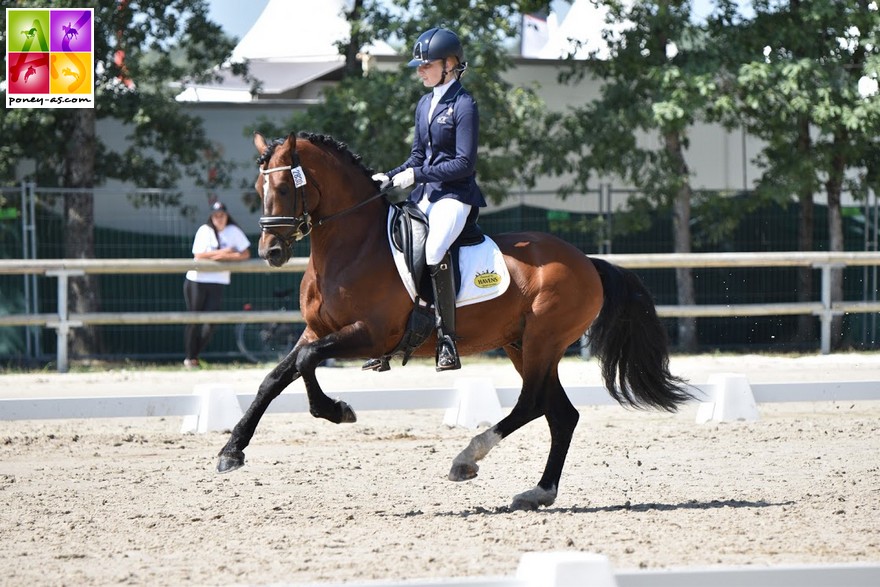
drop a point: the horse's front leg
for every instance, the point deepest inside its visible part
(231, 456)
(348, 342)
(302, 361)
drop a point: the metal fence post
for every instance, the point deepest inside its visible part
(826, 317)
(63, 326)
(29, 251)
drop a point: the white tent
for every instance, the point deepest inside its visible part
(292, 43)
(551, 39)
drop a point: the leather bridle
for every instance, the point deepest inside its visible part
(289, 229)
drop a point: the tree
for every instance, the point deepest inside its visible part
(140, 47)
(656, 81)
(373, 113)
(794, 73)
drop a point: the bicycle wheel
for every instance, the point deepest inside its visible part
(280, 340)
(250, 338)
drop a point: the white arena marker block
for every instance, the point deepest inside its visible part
(476, 404)
(565, 569)
(731, 399)
(219, 409)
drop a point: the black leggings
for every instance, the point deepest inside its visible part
(200, 297)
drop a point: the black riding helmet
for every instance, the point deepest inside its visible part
(438, 43)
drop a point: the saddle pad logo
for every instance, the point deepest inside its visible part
(487, 279)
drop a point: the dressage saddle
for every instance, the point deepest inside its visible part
(408, 234)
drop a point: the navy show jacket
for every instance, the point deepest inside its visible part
(444, 152)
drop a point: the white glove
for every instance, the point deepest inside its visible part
(404, 179)
(380, 177)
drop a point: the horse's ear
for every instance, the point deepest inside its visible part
(260, 143)
(291, 141)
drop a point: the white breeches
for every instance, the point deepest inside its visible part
(446, 218)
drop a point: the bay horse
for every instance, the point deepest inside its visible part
(356, 306)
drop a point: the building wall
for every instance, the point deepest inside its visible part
(718, 159)
(229, 127)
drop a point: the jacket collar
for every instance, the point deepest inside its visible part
(450, 94)
(448, 97)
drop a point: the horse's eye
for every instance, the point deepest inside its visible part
(283, 189)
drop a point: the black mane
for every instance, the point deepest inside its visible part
(320, 140)
(267, 154)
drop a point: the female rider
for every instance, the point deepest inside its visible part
(442, 167)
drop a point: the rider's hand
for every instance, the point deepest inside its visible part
(404, 179)
(380, 177)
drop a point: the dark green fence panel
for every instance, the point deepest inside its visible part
(769, 228)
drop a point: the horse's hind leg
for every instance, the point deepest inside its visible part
(231, 456)
(549, 400)
(562, 417)
(542, 395)
(465, 466)
(527, 408)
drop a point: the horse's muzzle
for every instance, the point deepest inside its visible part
(274, 250)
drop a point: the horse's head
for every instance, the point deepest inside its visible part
(286, 195)
(294, 173)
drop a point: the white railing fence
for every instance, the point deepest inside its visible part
(218, 408)
(63, 321)
(585, 569)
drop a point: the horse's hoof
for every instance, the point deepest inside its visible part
(338, 412)
(346, 414)
(523, 505)
(463, 472)
(230, 461)
(532, 499)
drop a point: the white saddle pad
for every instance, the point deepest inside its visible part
(484, 274)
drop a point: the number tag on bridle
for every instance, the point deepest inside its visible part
(299, 178)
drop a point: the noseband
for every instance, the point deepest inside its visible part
(288, 228)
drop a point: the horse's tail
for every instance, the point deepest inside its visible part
(631, 344)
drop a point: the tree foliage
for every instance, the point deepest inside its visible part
(654, 84)
(164, 42)
(141, 48)
(793, 75)
(798, 64)
(373, 113)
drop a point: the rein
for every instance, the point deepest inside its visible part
(301, 226)
(334, 216)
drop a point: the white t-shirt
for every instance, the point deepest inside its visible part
(205, 240)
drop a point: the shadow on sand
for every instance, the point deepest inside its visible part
(627, 506)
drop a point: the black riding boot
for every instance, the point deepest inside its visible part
(443, 281)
